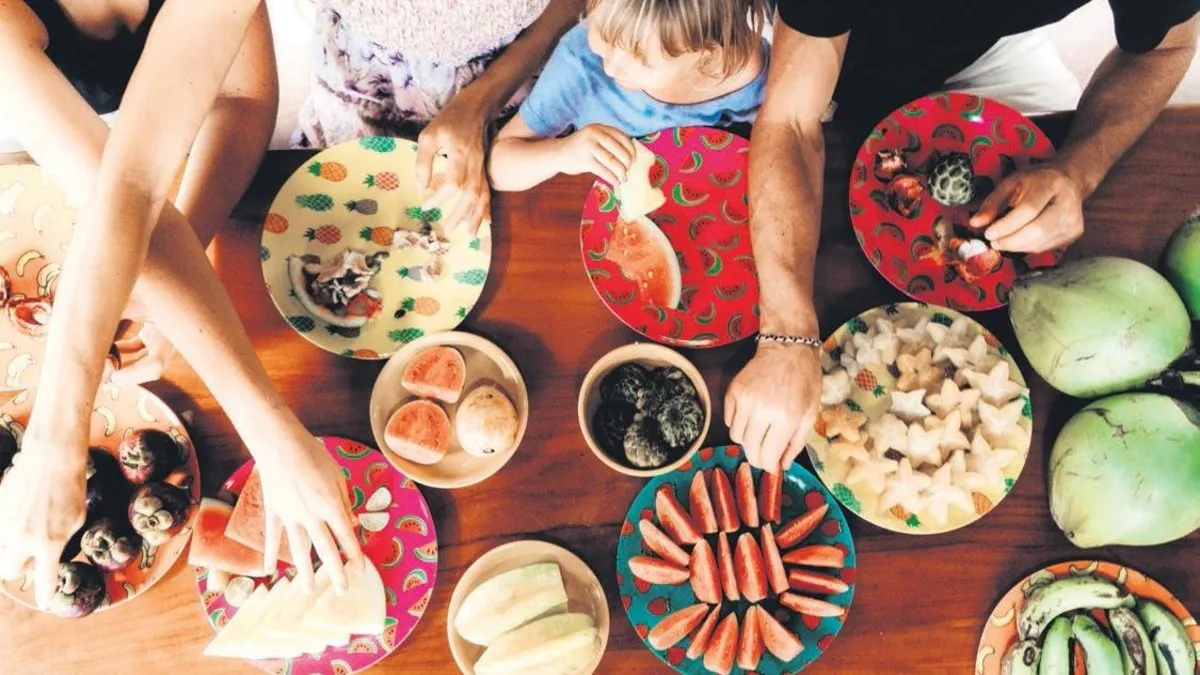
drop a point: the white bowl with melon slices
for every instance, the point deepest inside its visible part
(449, 410)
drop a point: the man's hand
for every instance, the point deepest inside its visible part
(1045, 211)
(771, 405)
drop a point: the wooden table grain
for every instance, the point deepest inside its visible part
(920, 602)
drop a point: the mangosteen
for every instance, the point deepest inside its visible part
(905, 194)
(158, 511)
(643, 446)
(665, 384)
(107, 491)
(8, 448)
(148, 456)
(624, 384)
(890, 162)
(79, 592)
(680, 420)
(111, 544)
(609, 425)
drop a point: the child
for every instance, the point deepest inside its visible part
(634, 67)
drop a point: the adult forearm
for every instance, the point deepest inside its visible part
(786, 183)
(1124, 97)
(518, 164)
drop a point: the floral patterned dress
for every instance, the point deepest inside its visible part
(386, 67)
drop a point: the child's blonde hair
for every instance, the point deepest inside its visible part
(730, 29)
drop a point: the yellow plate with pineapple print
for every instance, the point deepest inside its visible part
(356, 196)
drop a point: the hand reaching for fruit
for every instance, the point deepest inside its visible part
(771, 405)
(601, 150)
(1045, 211)
(43, 497)
(457, 133)
(305, 498)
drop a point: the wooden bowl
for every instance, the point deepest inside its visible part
(584, 593)
(486, 363)
(651, 356)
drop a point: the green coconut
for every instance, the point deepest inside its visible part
(1125, 470)
(1181, 263)
(1099, 326)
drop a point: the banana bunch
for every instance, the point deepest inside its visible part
(1142, 637)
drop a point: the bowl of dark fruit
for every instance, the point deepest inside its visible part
(644, 409)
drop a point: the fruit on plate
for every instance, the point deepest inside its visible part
(1099, 326)
(79, 592)
(110, 544)
(1181, 263)
(655, 571)
(509, 600)
(1047, 601)
(636, 195)
(800, 527)
(486, 422)
(625, 384)
(1055, 653)
(770, 496)
(749, 569)
(673, 518)
(361, 610)
(703, 634)
(810, 606)
(158, 511)
(815, 582)
(951, 180)
(418, 431)
(1136, 487)
(147, 456)
(438, 372)
(31, 316)
(1137, 652)
(776, 574)
(643, 445)
(646, 257)
(609, 424)
(248, 522)
(781, 642)
(889, 162)
(750, 643)
(722, 494)
(215, 551)
(560, 643)
(1173, 648)
(744, 493)
(658, 542)
(680, 420)
(904, 194)
(816, 556)
(706, 583)
(1100, 652)
(718, 657)
(107, 492)
(676, 626)
(338, 291)
(726, 568)
(648, 418)
(702, 511)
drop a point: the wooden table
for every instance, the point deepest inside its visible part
(920, 602)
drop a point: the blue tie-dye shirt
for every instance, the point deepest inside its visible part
(574, 91)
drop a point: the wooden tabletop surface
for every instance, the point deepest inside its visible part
(920, 602)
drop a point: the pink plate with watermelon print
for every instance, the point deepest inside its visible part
(948, 148)
(696, 284)
(404, 550)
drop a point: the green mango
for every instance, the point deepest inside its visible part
(1181, 263)
(1125, 470)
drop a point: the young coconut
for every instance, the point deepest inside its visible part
(110, 544)
(158, 511)
(80, 590)
(1181, 263)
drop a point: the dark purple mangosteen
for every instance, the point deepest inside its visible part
(80, 590)
(148, 456)
(111, 544)
(158, 511)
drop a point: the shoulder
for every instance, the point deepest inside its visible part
(820, 18)
(573, 49)
(19, 25)
(1142, 24)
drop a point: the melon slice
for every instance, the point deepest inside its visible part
(418, 431)
(212, 549)
(508, 601)
(248, 522)
(436, 372)
(261, 644)
(362, 610)
(645, 256)
(636, 195)
(298, 605)
(544, 645)
(231, 641)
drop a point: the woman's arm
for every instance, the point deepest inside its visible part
(459, 131)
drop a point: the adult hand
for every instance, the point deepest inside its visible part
(1045, 210)
(601, 150)
(457, 133)
(143, 357)
(305, 497)
(42, 497)
(771, 405)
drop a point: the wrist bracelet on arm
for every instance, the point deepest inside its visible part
(789, 340)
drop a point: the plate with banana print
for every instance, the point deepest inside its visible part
(1107, 615)
(353, 261)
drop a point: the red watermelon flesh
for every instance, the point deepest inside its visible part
(645, 256)
(248, 522)
(212, 549)
(437, 372)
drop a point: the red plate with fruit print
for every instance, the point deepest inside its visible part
(812, 537)
(400, 540)
(700, 286)
(953, 147)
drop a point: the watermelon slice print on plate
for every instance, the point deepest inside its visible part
(655, 272)
(404, 551)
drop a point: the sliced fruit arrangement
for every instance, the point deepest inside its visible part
(266, 616)
(1094, 615)
(756, 573)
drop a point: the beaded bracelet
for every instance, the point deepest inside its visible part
(789, 340)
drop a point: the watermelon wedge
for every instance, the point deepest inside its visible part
(248, 522)
(646, 257)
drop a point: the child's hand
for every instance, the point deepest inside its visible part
(601, 150)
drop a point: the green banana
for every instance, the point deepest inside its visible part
(1100, 653)
(1021, 659)
(1056, 648)
(1067, 595)
(1173, 649)
(1137, 653)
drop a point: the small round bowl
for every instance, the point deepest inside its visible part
(584, 593)
(652, 356)
(486, 363)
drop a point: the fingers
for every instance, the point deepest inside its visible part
(606, 166)
(796, 446)
(343, 530)
(1055, 227)
(467, 211)
(45, 575)
(992, 205)
(427, 147)
(13, 560)
(330, 558)
(272, 529)
(737, 430)
(774, 447)
(482, 215)
(615, 155)
(301, 548)
(730, 407)
(756, 431)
